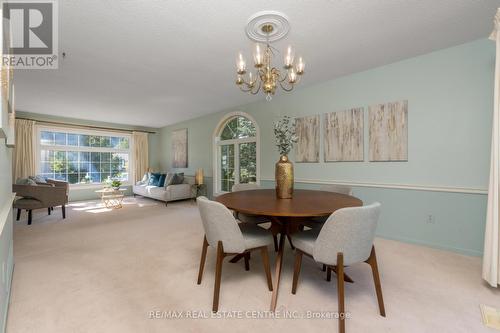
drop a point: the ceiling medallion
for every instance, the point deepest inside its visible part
(267, 27)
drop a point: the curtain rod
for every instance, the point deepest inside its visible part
(86, 126)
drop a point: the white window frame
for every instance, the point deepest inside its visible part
(38, 148)
(217, 143)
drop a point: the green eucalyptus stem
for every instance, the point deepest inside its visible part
(284, 133)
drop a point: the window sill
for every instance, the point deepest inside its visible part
(78, 187)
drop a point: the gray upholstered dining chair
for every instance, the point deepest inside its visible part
(245, 187)
(345, 239)
(320, 221)
(343, 189)
(252, 218)
(224, 233)
(245, 217)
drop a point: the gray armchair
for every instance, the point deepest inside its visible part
(43, 195)
(345, 239)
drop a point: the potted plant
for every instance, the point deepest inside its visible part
(284, 132)
(115, 184)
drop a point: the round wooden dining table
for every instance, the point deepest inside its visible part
(286, 215)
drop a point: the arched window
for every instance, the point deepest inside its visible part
(236, 152)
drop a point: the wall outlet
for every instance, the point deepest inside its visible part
(431, 219)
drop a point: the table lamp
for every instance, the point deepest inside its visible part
(199, 176)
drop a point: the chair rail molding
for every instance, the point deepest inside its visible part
(414, 187)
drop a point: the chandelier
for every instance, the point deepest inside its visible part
(265, 77)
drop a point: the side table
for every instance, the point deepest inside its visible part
(199, 190)
(112, 198)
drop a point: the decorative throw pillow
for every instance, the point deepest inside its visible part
(25, 181)
(168, 179)
(178, 178)
(145, 178)
(154, 179)
(39, 179)
(161, 181)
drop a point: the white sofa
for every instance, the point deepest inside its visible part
(168, 193)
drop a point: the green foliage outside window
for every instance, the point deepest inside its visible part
(61, 159)
(238, 128)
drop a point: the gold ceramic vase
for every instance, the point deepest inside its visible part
(284, 178)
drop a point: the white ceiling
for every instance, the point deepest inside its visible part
(158, 62)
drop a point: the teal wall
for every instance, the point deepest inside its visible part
(89, 193)
(450, 98)
(6, 246)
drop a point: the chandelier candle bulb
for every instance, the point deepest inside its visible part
(289, 58)
(241, 65)
(292, 76)
(300, 66)
(251, 79)
(258, 56)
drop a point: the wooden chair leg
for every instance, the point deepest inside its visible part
(290, 241)
(267, 267)
(18, 214)
(29, 217)
(372, 261)
(324, 268)
(49, 210)
(296, 271)
(218, 272)
(63, 211)
(203, 259)
(328, 274)
(275, 239)
(340, 287)
(247, 261)
(347, 278)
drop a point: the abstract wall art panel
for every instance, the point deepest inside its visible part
(180, 148)
(307, 148)
(343, 137)
(388, 127)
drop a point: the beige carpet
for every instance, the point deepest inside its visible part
(105, 271)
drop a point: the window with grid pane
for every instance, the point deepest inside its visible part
(237, 153)
(83, 157)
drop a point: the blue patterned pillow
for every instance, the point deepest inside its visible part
(161, 181)
(154, 179)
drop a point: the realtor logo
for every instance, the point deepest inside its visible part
(29, 34)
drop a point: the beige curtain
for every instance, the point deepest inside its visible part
(141, 161)
(24, 154)
(491, 256)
